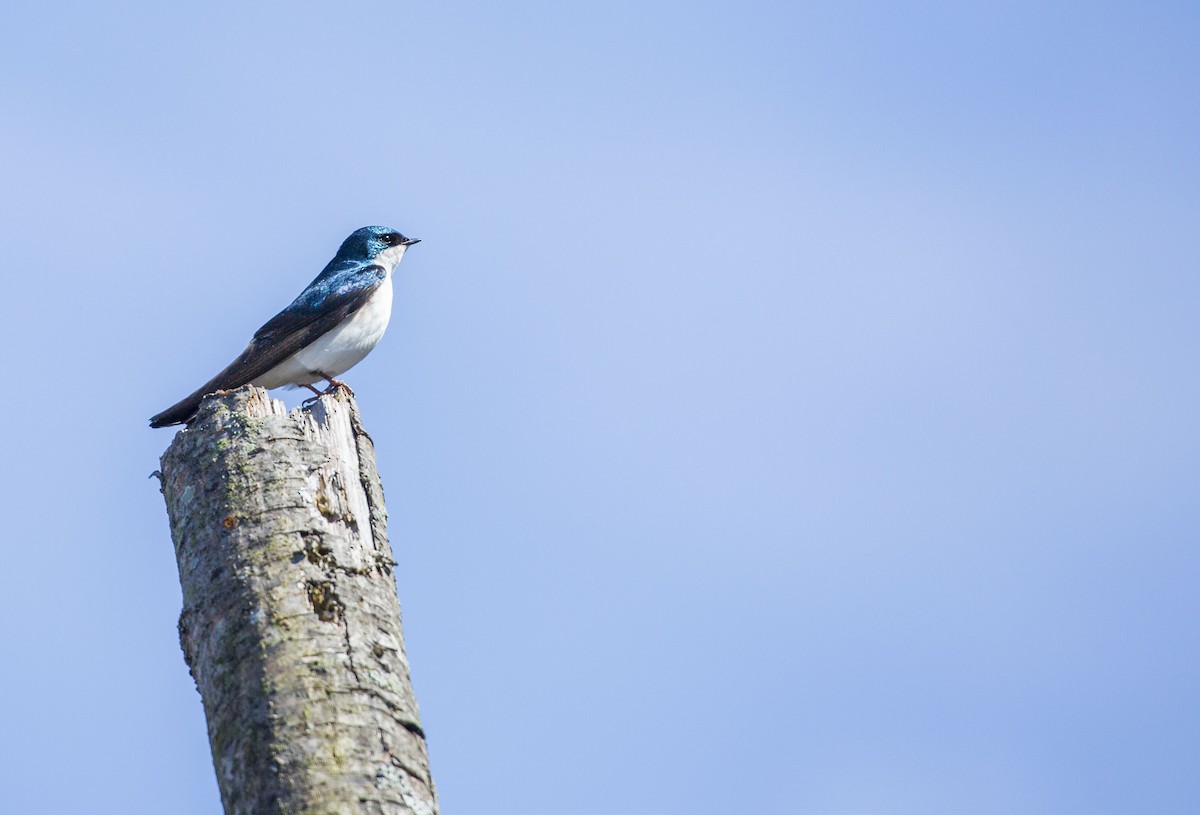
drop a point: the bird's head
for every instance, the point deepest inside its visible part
(378, 244)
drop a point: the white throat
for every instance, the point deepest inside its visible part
(389, 257)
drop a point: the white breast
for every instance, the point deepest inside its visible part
(339, 350)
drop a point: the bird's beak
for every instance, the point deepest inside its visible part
(410, 241)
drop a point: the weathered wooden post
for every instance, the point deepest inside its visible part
(290, 622)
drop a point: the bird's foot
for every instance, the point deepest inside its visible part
(312, 400)
(336, 384)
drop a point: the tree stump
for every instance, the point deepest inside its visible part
(290, 622)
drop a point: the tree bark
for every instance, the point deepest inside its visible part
(290, 622)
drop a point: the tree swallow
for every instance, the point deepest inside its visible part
(326, 331)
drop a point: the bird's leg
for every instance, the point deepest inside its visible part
(312, 399)
(334, 384)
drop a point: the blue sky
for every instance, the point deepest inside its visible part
(791, 407)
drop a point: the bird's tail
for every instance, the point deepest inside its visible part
(179, 412)
(183, 410)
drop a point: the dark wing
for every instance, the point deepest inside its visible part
(317, 311)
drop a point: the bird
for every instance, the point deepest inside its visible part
(335, 322)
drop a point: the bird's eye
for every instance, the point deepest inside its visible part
(388, 239)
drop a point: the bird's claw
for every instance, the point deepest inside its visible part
(334, 386)
(337, 384)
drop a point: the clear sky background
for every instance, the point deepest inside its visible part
(792, 408)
